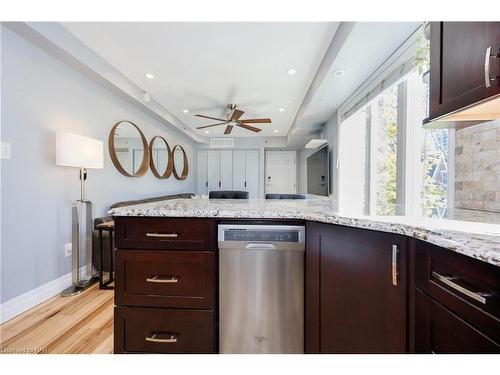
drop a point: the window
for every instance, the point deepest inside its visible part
(389, 164)
(384, 139)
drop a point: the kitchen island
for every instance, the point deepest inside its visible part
(472, 233)
(373, 284)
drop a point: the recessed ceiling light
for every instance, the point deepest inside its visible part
(281, 109)
(291, 72)
(207, 131)
(185, 110)
(276, 131)
(149, 76)
(338, 72)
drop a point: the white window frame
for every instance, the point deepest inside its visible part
(408, 187)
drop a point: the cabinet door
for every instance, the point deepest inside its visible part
(239, 170)
(458, 54)
(226, 170)
(437, 330)
(213, 165)
(355, 303)
(201, 173)
(252, 177)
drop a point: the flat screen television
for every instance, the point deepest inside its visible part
(318, 169)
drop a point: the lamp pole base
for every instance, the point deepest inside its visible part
(77, 289)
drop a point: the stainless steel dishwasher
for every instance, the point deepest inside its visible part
(261, 288)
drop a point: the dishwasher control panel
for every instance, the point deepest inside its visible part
(282, 236)
(261, 235)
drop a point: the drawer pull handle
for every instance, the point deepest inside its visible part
(163, 280)
(170, 339)
(162, 235)
(394, 265)
(448, 280)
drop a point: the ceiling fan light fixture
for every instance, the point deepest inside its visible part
(233, 119)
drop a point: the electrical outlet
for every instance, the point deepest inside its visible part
(5, 150)
(67, 250)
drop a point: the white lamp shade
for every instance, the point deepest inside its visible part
(73, 150)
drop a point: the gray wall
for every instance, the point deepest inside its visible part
(41, 95)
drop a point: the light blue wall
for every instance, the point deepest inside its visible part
(41, 95)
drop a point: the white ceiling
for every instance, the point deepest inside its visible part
(367, 47)
(204, 66)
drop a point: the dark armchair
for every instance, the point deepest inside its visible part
(285, 196)
(228, 194)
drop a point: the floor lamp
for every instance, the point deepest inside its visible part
(73, 150)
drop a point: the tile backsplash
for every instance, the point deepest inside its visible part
(477, 167)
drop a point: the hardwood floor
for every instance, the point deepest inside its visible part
(78, 324)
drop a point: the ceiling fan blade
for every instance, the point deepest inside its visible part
(207, 126)
(236, 115)
(211, 118)
(256, 121)
(248, 127)
(229, 129)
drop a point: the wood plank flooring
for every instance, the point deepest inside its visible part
(79, 324)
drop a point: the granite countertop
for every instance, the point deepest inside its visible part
(474, 234)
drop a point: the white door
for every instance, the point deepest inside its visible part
(226, 170)
(252, 173)
(280, 172)
(239, 170)
(213, 164)
(201, 173)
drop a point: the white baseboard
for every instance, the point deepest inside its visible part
(17, 305)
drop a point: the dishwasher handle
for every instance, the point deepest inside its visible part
(260, 246)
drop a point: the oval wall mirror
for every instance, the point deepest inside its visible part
(128, 149)
(180, 161)
(161, 160)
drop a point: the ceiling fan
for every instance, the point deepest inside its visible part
(233, 119)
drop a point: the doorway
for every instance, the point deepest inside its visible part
(280, 172)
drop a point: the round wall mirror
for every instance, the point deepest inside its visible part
(180, 161)
(161, 160)
(128, 149)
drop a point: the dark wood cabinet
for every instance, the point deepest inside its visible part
(162, 233)
(365, 292)
(457, 62)
(457, 302)
(152, 330)
(176, 279)
(165, 288)
(356, 291)
(440, 331)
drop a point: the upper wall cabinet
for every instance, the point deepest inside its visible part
(465, 70)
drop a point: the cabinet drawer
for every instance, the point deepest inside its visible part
(440, 331)
(164, 233)
(153, 330)
(181, 279)
(468, 287)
